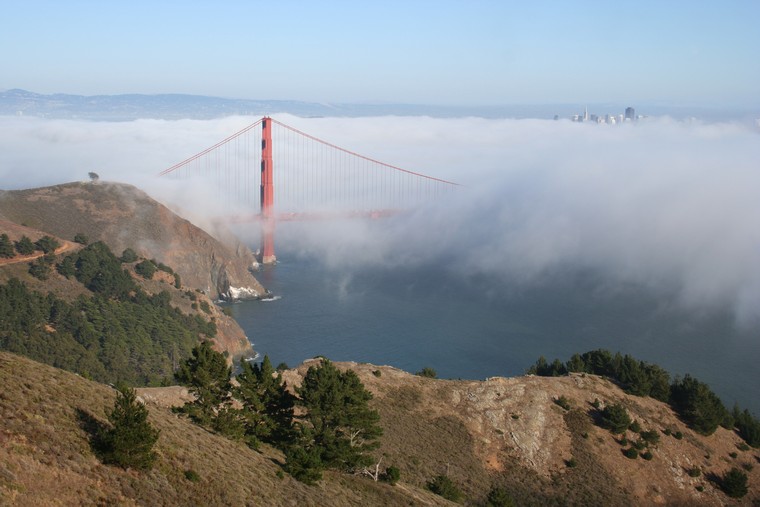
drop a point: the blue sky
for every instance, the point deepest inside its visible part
(428, 52)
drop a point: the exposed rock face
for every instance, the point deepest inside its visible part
(123, 216)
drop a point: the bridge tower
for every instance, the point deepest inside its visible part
(267, 194)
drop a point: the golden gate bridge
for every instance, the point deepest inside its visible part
(286, 174)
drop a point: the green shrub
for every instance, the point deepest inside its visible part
(651, 436)
(631, 453)
(24, 246)
(563, 402)
(392, 475)
(647, 455)
(47, 244)
(635, 427)
(678, 435)
(443, 486)
(427, 372)
(571, 463)
(694, 472)
(733, 454)
(377, 373)
(498, 497)
(81, 239)
(146, 269)
(734, 483)
(205, 307)
(192, 476)
(128, 255)
(615, 418)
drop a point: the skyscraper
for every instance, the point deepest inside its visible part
(630, 114)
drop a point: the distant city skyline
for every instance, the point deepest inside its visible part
(445, 52)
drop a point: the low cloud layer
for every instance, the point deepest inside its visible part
(672, 205)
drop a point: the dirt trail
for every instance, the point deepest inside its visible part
(65, 247)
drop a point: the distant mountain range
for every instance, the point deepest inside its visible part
(18, 102)
(173, 106)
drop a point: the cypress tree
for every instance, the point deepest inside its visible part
(129, 442)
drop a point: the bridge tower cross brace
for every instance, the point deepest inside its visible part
(267, 194)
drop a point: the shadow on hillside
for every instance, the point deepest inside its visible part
(94, 429)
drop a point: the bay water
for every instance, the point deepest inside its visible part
(474, 328)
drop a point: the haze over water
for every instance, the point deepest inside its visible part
(415, 317)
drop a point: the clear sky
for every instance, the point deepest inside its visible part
(468, 52)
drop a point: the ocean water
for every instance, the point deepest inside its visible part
(477, 328)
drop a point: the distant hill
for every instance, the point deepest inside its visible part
(177, 106)
(509, 433)
(123, 216)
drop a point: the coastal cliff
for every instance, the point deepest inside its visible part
(122, 216)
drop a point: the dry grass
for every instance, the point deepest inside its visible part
(45, 457)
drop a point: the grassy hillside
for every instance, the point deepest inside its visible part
(508, 433)
(45, 457)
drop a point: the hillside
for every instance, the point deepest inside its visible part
(45, 456)
(123, 216)
(503, 431)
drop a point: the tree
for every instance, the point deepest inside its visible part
(146, 269)
(130, 440)
(267, 405)
(128, 255)
(93, 176)
(338, 422)
(47, 244)
(615, 418)
(445, 487)
(734, 483)
(24, 246)
(81, 238)
(6, 247)
(207, 376)
(697, 405)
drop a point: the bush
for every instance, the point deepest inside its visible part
(563, 402)
(443, 486)
(192, 476)
(377, 373)
(128, 255)
(734, 483)
(647, 455)
(81, 239)
(6, 247)
(615, 418)
(651, 436)
(498, 497)
(571, 463)
(146, 269)
(24, 246)
(694, 472)
(427, 372)
(635, 427)
(47, 244)
(631, 453)
(392, 475)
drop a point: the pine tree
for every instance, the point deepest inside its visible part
(267, 405)
(6, 247)
(344, 426)
(129, 442)
(24, 246)
(207, 376)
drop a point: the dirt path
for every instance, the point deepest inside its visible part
(65, 247)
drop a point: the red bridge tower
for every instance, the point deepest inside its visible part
(267, 194)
